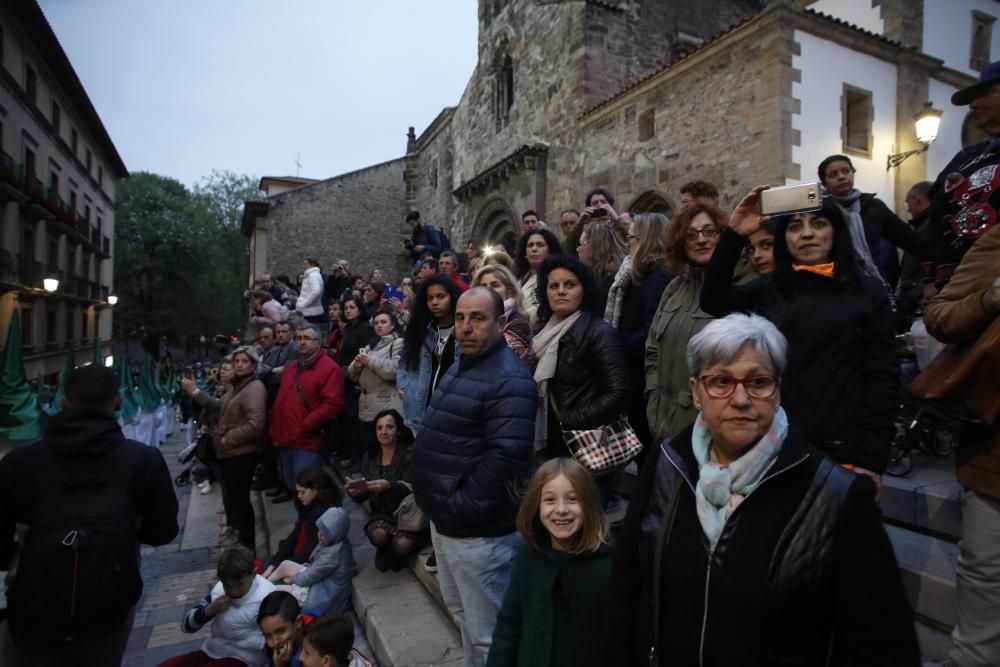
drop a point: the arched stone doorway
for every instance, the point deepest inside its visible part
(495, 224)
(652, 201)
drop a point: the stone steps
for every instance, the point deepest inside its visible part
(402, 616)
(927, 565)
(928, 500)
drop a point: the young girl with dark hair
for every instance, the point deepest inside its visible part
(315, 493)
(428, 346)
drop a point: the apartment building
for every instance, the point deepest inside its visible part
(58, 169)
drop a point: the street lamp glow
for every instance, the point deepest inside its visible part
(112, 299)
(50, 284)
(109, 361)
(928, 121)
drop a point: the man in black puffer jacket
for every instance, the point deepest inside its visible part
(470, 460)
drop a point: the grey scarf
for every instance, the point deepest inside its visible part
(850, 205)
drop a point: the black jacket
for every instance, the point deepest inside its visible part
(385, 503)
(474, 447)
(590, 385)
(802, 575)
(842, 381)
(89, 444)
(881, 223)
(305, 520)
(638, 309)
(357, 334)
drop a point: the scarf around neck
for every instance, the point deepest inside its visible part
(546, 346)
(720, 488)
(616, 295)
(305, 363)
(850, 205)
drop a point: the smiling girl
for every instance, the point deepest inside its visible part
(551, 614)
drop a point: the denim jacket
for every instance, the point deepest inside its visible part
(417, 382)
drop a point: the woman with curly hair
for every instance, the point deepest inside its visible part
(533, 248)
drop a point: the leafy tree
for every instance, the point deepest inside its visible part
(180, 259)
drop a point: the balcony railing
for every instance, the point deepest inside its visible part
(11, 171)
(30, 272)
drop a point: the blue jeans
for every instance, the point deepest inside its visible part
(294, 461)
(474, 573)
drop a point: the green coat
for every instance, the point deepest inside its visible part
(551, 614)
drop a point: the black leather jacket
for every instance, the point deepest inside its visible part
(781, 586)
(590, 385)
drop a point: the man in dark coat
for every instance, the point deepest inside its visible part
(82, 443)
(424, 238)
(469, 461)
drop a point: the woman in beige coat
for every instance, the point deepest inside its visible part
(374, 370)
(238, 438)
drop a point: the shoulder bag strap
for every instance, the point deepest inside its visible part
(298, 388)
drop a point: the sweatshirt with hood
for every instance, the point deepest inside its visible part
(331, 565)
(82, 443)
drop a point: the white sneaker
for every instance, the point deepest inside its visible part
(205, 487)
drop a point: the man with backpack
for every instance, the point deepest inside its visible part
(424, 238)
(89, 497)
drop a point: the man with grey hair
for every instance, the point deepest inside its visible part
(448, 265)
(310, 396)
(471, 456)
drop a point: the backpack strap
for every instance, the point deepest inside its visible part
(298, 388)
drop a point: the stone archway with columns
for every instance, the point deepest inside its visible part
(494, 223)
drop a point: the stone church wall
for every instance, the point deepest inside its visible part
(356, 215)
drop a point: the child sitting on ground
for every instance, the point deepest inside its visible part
(328, 642)
(231, 607)
(284, 628)
(325, 583)
(315, 493)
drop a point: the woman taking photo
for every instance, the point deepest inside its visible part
(238, 437)
(374, 371)
(691, 239)
(516, 330)
(743, 545)
(532, 250)
(384, 482)
(632, 301)
(841, 388)
(356, 333)
(581, 373)
(428, 346)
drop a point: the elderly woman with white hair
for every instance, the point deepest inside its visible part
(743, 544)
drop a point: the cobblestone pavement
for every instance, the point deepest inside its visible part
(176, 575)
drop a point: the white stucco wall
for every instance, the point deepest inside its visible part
(825, 68)
(948, 31)
(859, 12)
(949, 139)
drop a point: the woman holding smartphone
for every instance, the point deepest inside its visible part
(840, 386)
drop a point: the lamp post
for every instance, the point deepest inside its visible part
(927, 121)
(112, 299)
(51, 284)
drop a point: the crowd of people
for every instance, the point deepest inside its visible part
(487, 403)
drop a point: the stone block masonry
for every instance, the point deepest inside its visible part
(358, 216)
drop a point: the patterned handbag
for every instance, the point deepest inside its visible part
(604, 448)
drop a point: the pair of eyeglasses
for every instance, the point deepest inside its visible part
(724, 386)
(692, 235)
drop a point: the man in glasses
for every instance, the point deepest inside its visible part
(311, 395)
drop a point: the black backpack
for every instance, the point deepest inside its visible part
(78, 569)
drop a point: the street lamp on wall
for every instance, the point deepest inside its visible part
(50, 284)
(112, 299)
(927, 122)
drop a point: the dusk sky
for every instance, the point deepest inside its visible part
(188, 86)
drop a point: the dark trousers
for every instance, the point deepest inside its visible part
(237, 476)
(97, 652)
(200, 659)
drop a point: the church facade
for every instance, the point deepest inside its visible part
(641, 96)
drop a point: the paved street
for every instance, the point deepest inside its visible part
(176, 575)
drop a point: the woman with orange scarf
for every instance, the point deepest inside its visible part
(841, 385)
